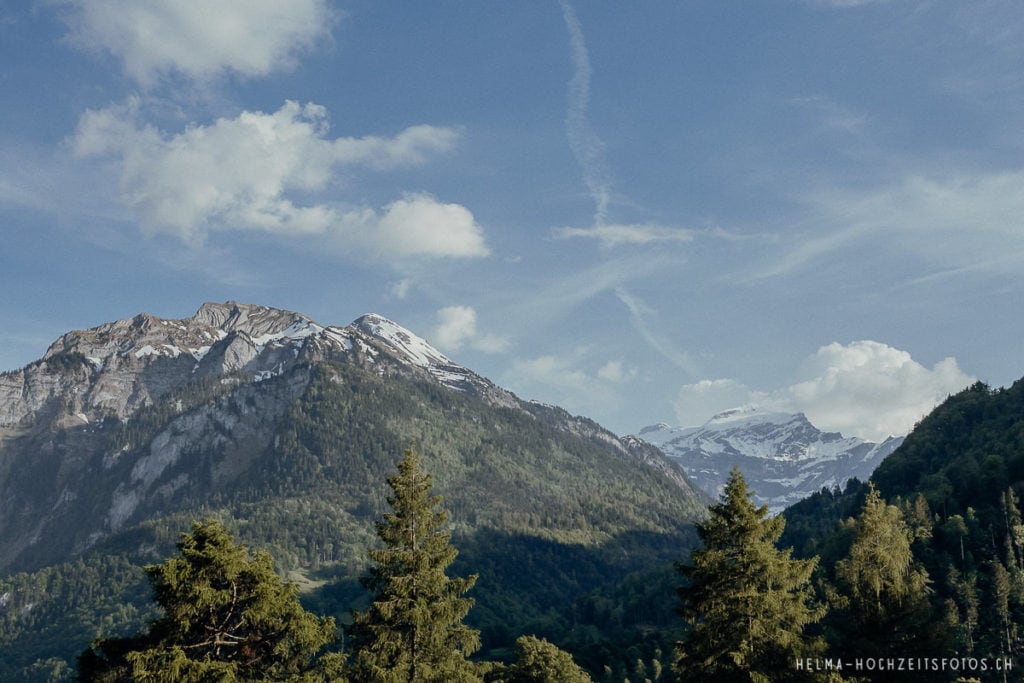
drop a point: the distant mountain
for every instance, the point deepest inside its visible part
(286, 429)
(783, 457)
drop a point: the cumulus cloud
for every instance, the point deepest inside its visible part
(456, 327)
(400, 290)
(419, 225)
(552, 370)
(611, 236)
(197, 38)
(866, 389)
(243, 173)
(570, 380)
(871, 389)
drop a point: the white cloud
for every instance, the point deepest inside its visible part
(616, 372)
(199, 39)
(400, 290)
(569, 380)
(456, 327)
(866, 389)
(586, 146)
(558, 372)
(611, 236)
(870, 389)
(640, 315)
(419, 225)
(456, 324)
(242, 174)
(491, 343)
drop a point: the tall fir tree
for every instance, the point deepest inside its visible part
(413, 630)
(747, 602)
(226, 617)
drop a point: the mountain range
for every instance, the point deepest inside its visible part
(285, 429)
(783, 457)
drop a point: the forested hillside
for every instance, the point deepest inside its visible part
(565, 526)
(955, 488)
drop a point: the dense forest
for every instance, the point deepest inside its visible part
(945, 513)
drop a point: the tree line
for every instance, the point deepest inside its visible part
(753, 611)
(922, 567)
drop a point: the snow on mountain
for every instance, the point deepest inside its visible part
(783, 457)
(117, 367)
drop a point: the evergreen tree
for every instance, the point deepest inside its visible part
(885, 608)
(746, 601)
(226, 617)
(538, 661)
(413, 630)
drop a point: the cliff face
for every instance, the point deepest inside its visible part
(116, 368)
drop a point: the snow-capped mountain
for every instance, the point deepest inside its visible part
(783, 457)
(118, 367)
(144, 416)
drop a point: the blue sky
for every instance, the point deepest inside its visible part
(639, 211)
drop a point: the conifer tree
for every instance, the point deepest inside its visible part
(887, 610)
(538, 661)
(226, 617)
(413, 630)
(746, 601)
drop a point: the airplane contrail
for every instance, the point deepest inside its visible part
(586, 146)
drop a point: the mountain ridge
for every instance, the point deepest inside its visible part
(131, 403)
(285, 430)
(106, 362)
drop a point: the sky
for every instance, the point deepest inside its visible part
(642, 212)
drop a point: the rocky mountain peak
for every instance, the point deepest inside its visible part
(117, 367)
(252, 319)
(403, 343)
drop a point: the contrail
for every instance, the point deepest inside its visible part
(585, 144)
(638, 312)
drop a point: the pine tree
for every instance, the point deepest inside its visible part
(413, 630)
(746, 601)
(226, 616)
